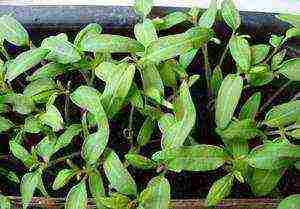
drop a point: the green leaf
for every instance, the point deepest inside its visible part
(185, 113)
(171, 46)
(284, 114)
(5, 124)
(28, 185)
(13, 31)
(90, 28)
(259, 53)
(220, 190)
(167, 73)
(4, 202)
(228, 98)
(66, 138)
(32, 125)
(251, 107)
(186, 59)
(207, 19)
(62, 178)
(297, 165)
(241, 52)
(107, 43)
(191, 158)
(291, 202)
(94, 146)
(77, 197)
(264, 181)
(170, 20)
(295, 133)
(292, 19)
(143, 7)
(145, 32)
(117, 88)
(216, 80)
(260, 75)
(50, 70)
(118, 176)
(243, 130)
(230, 14)
(140, 161)
(146, 131)
(52, 118)
(21, 153)
(45, 148)
(20, 103)
(270, 156)
(24, 62)
(36, 88)
(293, 32)
(116, 201)
(60, 49)
(277, 59)
(276, 41)
(291, 69)
(10, 175)
(156, 195)
(96, 187)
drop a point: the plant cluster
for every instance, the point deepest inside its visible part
(62, 90)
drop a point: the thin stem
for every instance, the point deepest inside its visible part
(84, 125)
(270, 100)
(223, 55)
(207, 71)
(67, 101)
(64, 158)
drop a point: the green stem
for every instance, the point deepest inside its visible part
(62, 159)
(207, 71)
(84, 125)
(67, 101)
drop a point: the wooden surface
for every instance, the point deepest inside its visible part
(57, 203)
(243, 5)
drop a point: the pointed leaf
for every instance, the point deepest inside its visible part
(116, 201)
(13, 31)
(207, 19)
(90, 28)
(291, 69)
(156, 195)
(251, 107)
(38, 87)
(277, 59)
(94, 146)
(170, 20)
(140, 161)
(5, 124)
(52, 118)
(118, 176)
(96, 187)
(168, 73)
(50, 70)
(66, 138)
(264, 181)
(171, 46)
(240, 51)
(292, 19)
(28, 185)
(143, 7)
(295, 133)
(227, 100)
(260, 75)
(230, 14)
(219, 190)
(146, 131)
(20, 103)
(21, 153)
(293, 32)
(258, 53)
(61, 50)
(185, 112)
(191, 158)
(62, 178)
(186, 59)
(10, 175)
(284, 114)
(145, 32)
(24, 62)
(77, 197)
(107, 43)
(117, 89)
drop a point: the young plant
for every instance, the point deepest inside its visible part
(59, 102)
